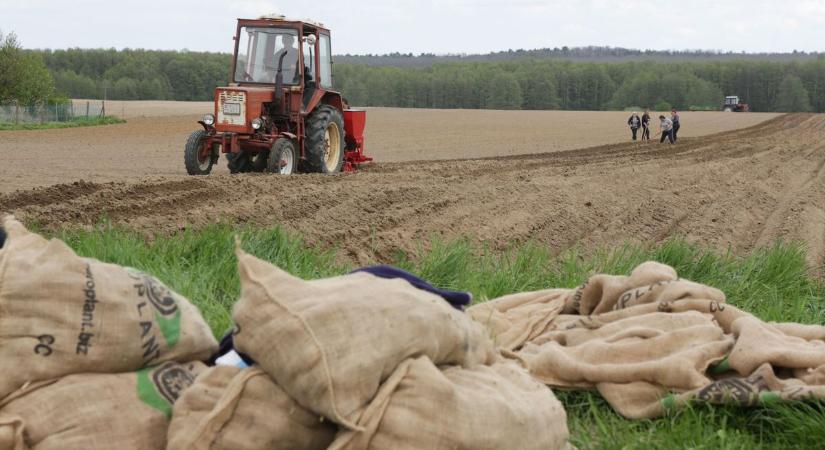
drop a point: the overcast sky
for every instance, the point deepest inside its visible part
(448, 26)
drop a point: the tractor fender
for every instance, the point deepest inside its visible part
(333, 98)
(320, 97)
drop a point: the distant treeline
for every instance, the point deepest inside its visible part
(589, 54)
(137, 74)
(552, 84)
(520, 83)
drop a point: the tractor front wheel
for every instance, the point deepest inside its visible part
(197, 157)
(283, 158)
(324, 143)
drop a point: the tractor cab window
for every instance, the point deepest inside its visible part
(309, 62)
(259, 54)
(325, 67)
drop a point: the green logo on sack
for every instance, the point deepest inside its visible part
(159, 387)
(170, 328)
(148, 394)
(167, 313)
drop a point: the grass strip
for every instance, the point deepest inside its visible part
(79, 122)
(772, 283)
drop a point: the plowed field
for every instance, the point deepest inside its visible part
(736, 189)
(150, 144)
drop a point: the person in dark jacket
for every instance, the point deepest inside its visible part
(646, 125)
(674, 117)
(634, 122)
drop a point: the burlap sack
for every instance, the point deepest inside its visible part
(600, 293)
(242, 409)
(667, 349)
(62, 314)
(758, 343)
(330, 343)
(11, 433)
(515, 319)
(640, 400)
(101, 411)
(485, 407)
(811, 376)
(722, 314)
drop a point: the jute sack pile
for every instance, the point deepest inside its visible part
(95, 411)
(242, 409)
(61, 314)
(652, 341)
(330, 343)
(516, 319)
(484, 407)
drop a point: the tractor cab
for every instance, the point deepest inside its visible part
(280, 111)
(276, 52)
(732, 104)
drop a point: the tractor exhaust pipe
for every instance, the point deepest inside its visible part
(279, 82)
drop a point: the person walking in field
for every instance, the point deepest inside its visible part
(646, 125)
(635, 123)
(674, 117)
(666, 125)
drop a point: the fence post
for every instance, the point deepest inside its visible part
(87, 110)
(16, 113)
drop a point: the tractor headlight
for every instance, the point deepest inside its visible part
(257, 123)
(208, 119)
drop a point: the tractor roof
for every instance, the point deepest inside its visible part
(281, 18)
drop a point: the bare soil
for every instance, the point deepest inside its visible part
(734, 190)
(151, 143)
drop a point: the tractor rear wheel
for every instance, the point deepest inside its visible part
(324, 143)
(198, 159)
(283, 158)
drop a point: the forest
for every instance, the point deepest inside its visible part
(524, 82)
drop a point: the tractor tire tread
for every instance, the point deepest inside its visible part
(191, 153)
(274, 160)
(316, 127)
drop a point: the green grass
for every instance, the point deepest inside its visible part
(773, 283)
(78, 122)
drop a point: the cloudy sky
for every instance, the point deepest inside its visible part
(448, 26)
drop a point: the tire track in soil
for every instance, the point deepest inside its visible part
(739, 190)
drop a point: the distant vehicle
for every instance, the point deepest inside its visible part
(732, 104)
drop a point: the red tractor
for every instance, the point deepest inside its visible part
(732, 104)
(279, 113)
